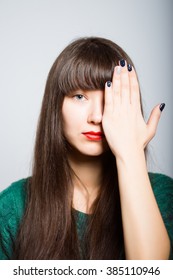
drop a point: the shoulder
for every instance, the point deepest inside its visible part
(13, 198)
(12, 206)
(160, 179)
(162, 186)
(15, 188)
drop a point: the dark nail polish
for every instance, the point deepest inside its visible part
(129, 67)
(108, 84)
(162, 106)
(122, 62)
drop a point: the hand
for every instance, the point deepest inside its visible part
(123, 123)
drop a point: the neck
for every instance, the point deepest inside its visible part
(86, 180)
(87, 170)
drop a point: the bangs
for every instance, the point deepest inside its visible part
(88, 68)
(87, 76)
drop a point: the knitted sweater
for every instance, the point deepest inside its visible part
(13, 200)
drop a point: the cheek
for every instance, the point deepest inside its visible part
(73, 115)
(73, 119)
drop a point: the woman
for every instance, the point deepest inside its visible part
(90, 195)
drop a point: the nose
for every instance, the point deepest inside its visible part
(95, 112)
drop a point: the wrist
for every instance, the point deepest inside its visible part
(131, 158)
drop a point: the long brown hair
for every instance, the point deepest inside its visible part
(48, 229)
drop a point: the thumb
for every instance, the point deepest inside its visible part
(154, 119)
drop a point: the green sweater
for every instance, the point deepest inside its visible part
(12, 206)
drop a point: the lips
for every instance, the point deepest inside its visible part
(93, 135)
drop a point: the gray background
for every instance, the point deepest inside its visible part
(32, 33)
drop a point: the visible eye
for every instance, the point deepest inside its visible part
(79, 97)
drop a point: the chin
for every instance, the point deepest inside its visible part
(93, 152)
(87, 150)
(88, 153)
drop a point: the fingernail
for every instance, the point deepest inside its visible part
(129, 67)
(108, 84)
(162, 106)
(122, 62)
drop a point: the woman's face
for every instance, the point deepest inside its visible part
(82, 122)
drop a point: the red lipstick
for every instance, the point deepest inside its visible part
(93, 135)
